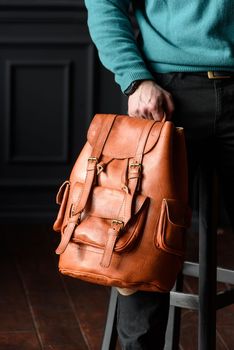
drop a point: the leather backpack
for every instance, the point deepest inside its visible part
(124, 211)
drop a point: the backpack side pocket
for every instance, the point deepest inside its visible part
(171, 232)
(61, 199)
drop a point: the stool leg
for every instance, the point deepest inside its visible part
(207, 262)
(110, 335)
(173, 326)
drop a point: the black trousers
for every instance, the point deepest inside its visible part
(205, 108)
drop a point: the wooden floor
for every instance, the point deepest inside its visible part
(43, 310)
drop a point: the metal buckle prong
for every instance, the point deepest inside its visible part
(100, 168)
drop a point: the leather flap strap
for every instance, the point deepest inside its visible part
(90, 176)
(93, 161)
(135, 167)
(113, 234)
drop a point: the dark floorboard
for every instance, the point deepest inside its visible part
(42, 310)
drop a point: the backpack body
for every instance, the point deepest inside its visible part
(124, 211)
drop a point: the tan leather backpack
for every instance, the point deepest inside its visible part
(123, 212)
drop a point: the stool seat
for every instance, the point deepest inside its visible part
(191, 301)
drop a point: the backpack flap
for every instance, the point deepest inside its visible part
(124, 136)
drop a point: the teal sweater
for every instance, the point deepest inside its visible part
(176, 36)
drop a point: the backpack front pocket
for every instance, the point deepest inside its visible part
(105, 206)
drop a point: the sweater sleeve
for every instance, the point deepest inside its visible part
(111, 31)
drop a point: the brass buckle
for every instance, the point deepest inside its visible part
(212, 76)
(92, 163)
(92, 159)
(117, 222)
(134, 165)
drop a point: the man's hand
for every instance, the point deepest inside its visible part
(150, 101)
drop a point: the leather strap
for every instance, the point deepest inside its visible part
(93, 161)
(113, 233)
(90, 176)
(66, 236)
(134, 169)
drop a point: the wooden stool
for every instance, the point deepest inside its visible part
(207, 301)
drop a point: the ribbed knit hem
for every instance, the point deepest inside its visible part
(169, 68)
(132, 76)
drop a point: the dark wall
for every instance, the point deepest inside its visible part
(51, 85)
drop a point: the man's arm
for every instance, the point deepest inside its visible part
(111, 30)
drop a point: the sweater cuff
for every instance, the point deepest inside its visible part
(126, 80)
